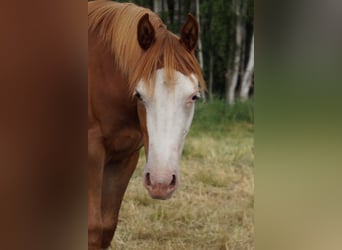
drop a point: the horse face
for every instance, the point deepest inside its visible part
(165, 116)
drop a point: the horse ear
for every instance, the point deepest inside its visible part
(146, 34)
(189, 33)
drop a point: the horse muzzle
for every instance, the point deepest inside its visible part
(160, 185)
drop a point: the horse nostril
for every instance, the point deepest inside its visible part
(148, 179)
(173, 182)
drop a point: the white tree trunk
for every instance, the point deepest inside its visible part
(157, 6)
(233, 79)
(243, 51)
(200, 52)
(247, 77)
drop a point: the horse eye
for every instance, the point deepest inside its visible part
(195, 97)
(138, 96)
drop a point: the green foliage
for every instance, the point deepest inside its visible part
(215, 25)
(216, 117)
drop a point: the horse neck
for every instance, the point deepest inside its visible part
(108, 85)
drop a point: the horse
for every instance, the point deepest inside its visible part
(143, 82)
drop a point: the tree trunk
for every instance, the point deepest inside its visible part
(157, 6)
(233, 77)
(164, 9)
(243, 58)
(233, 71)
(247, 77)
(211, 75)
(200, 52)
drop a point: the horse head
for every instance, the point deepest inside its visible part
(166, 111)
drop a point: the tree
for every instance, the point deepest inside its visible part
(234, 67)
(246, 82)
(215, 16)
(200, 52)
(157, 6)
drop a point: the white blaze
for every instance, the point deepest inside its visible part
(169, 113)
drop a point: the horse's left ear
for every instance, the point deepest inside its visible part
(146, 34)
(189, 33)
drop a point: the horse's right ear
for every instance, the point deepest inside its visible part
(189, 33)
(146, 34)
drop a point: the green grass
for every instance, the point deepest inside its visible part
(213, 207)
(216, 118)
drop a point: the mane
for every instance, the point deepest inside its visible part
(116, 25)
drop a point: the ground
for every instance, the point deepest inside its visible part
(213, 206)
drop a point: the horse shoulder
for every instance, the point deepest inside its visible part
(124, 142)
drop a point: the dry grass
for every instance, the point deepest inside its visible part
(213, 207)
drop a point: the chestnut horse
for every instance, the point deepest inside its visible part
(143, 82)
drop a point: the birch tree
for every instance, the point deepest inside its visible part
(232, 73)
(200, 52)
(246, 82)
(157, 6)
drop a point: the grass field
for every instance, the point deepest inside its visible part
(213, 206)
